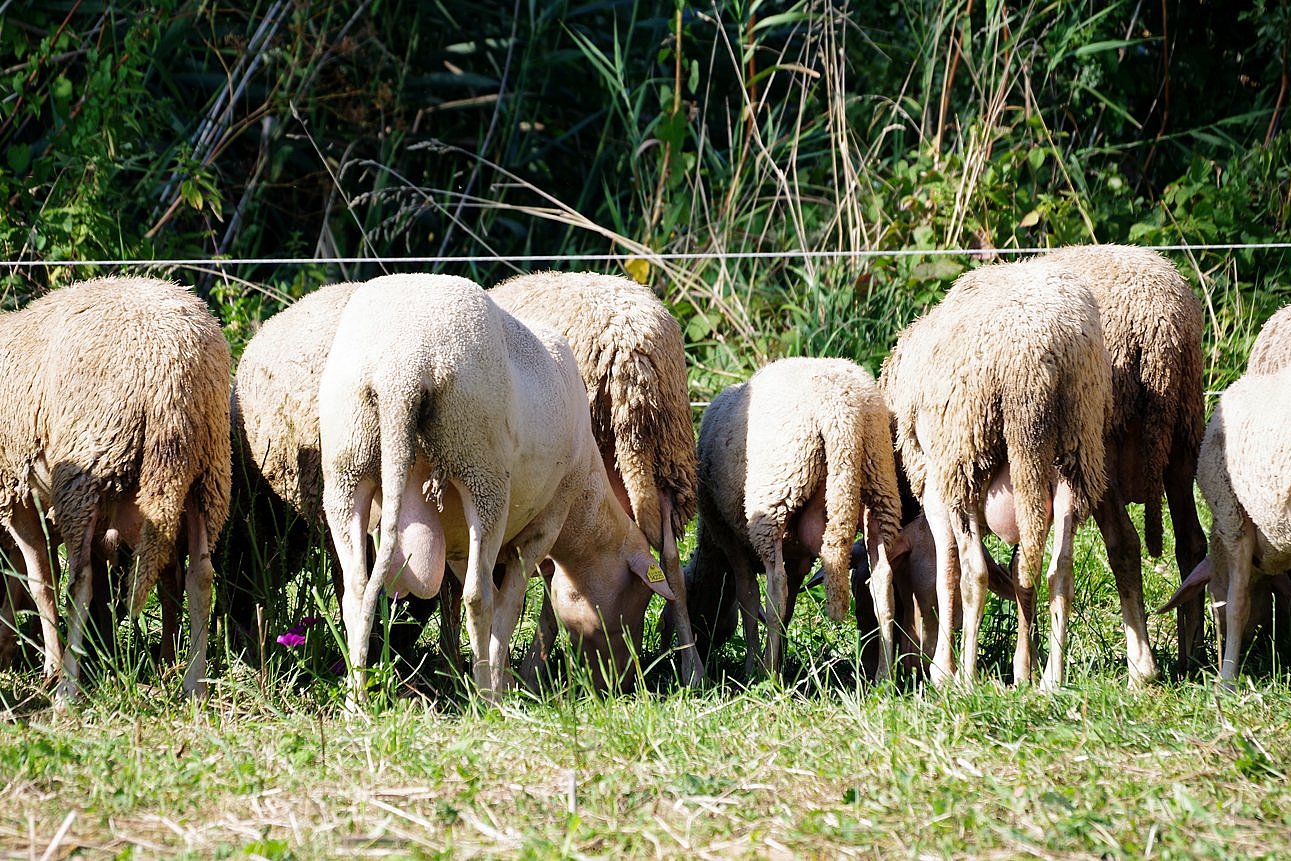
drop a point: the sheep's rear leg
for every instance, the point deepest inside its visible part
(1124, 555)
(1060, 586)
(199, 584)
(691, 661)
(80, 591)
(348, 513)
(1189, 550)
(776, 608)
(973, 588)
(943, 537)
(477, 590)
(27, 528)
(746, 595)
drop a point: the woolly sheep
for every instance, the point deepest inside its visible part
(1152, 326)
(277, 470)
(275, 396)
(1272, 348)
(632, 359)
(792, 463)
(1001, 395)
(114, 420)
(474, 430)
(1244, 472)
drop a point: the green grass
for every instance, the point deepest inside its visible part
(820, 765)
(1092, 770)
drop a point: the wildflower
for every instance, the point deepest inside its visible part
(295, 635)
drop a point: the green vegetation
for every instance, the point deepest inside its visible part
(761, 139)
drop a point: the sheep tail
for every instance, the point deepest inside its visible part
(398, 413)
(842, 510)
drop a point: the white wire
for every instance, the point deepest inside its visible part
(602, 258)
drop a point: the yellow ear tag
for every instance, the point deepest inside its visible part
(654, 574)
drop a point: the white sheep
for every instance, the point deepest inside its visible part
(114, 421)
(792, 464)
(632, 359)
(277, 469)
(475, 432)
(1001, 395)
(1272, 348)
(1244, 472)
(274, 405)
(1152, 326)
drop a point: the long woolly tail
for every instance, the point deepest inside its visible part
(398, 423)
(842, 509)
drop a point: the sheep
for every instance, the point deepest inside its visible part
(473, 429)
(1001, 397)
(792, 463)
(1244, 472)
(1272, 348)
(277, 471)
(1152, 326)
(632, 358)
(114, 421)
(274, 404)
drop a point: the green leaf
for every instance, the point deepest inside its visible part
(1108, 45)
(19, 156)
(62, 89)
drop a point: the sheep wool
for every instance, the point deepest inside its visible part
(275, 396)
(474, 430)
(1244, 472)
(799, 433)
(1272, 348)
(115, 420)
(632, 359)
(1010, 372)
(1152, 324)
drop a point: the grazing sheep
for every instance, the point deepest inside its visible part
(792, 464)
(275, 396)
(474, 431)
(1152, 326)
(1244, 472)
(632, 359)
(1001, 395)
(114, 421)
(277, 468)
(1272, 348)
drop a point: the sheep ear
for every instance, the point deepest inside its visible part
(644, 566)
(1196, 581)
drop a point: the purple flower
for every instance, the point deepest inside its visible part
(295, 635)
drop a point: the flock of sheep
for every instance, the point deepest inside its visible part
(543, 428)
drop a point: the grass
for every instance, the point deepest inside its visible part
(821, 765)
(1093, 770)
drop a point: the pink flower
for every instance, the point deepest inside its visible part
(291, 639)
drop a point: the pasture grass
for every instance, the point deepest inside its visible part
(820, 764)
(1174, 771)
